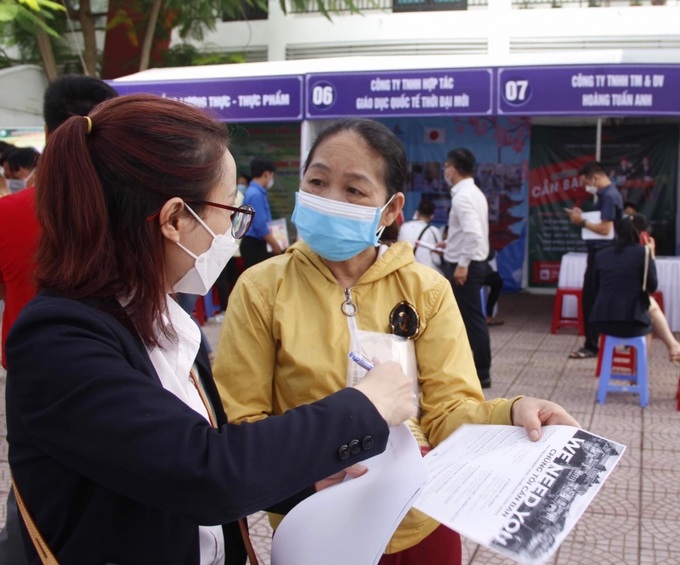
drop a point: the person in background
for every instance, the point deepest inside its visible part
(610, 205)
(662, 329)
(465, 253)
(254, 245)
(618, 279)
(18, 165)
(339, 289)
(118, 445)
(495, 283)
(4, 148)
(423, 236)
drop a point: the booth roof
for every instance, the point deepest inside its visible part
(359, 64)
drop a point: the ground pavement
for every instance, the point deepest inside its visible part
(635, 518)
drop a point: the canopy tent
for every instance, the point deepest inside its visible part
(22, 90)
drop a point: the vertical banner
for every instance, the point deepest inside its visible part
(642, 162)
(501, 147)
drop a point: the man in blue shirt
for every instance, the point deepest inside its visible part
(254, 245)
(610, 204)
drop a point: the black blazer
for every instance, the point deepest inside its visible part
(115, 469)
(618, 285)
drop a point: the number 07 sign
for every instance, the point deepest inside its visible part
(609, 90)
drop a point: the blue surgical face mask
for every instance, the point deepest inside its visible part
(337, 231)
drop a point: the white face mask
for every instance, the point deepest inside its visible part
(591, 189)
(208, 265)
(15, 185)
(270, 183)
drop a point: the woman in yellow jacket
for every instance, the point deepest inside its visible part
(299, 314)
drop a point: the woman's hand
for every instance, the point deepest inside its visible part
(354, 471)
(390, 390)
(532, 413)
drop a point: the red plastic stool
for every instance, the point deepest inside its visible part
(658, 296)
(199, 311)
(622, 358)
(558, 321)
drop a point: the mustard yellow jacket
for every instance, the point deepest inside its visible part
(285, 343)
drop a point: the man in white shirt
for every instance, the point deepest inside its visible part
(423, 236)
(466, 252)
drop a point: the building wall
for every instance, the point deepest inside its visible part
(499, 29)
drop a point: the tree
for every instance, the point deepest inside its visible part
(32, 16)
(192, 18)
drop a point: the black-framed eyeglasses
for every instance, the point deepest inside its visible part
(241, 217)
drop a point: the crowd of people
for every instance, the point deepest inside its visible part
(130, 441)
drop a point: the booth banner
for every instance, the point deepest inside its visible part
(609, 90)
(501, 148)
(262, 99)
(462, 92)
(642, 162)
(279, 143)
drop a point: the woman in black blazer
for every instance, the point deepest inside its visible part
(619, 309)
(118, 444)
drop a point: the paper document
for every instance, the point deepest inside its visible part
(596, 218)
(279, 229)
(352, 522)
(517, 497)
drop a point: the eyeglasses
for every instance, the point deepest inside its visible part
(241, 217)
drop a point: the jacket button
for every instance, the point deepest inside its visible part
(343, 452)
(367, 443)
(354, 447)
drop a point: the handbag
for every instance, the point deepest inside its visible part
(644, 295)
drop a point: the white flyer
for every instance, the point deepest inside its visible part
(352, 522)
(520, 498)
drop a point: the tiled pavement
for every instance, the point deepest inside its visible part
(635, 519)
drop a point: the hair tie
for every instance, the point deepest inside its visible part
(89, 125)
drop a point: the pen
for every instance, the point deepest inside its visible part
(360, 360)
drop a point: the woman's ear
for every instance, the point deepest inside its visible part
(171, 218)
(394, 208)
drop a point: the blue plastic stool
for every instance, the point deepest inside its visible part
(637, 382)
(482, 294)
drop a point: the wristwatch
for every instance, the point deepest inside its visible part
(583, 223)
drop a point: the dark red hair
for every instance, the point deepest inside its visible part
(95, 191)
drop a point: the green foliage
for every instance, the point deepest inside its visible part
(186, 55)
(31, 15)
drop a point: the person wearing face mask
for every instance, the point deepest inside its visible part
(466, 250)
(18, 165)
(338, 290)
(609, 202)
(254, 245)
(119, 448)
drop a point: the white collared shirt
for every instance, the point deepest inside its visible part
(173, 362)
(468, 237)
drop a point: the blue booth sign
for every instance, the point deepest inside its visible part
(262, 99)
(460, 92)
(601, 90)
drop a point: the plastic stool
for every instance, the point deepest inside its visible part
(482, 294)
(621, 359)
(637, 382)
(211, 307)
(658, 296)
(558, 321)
